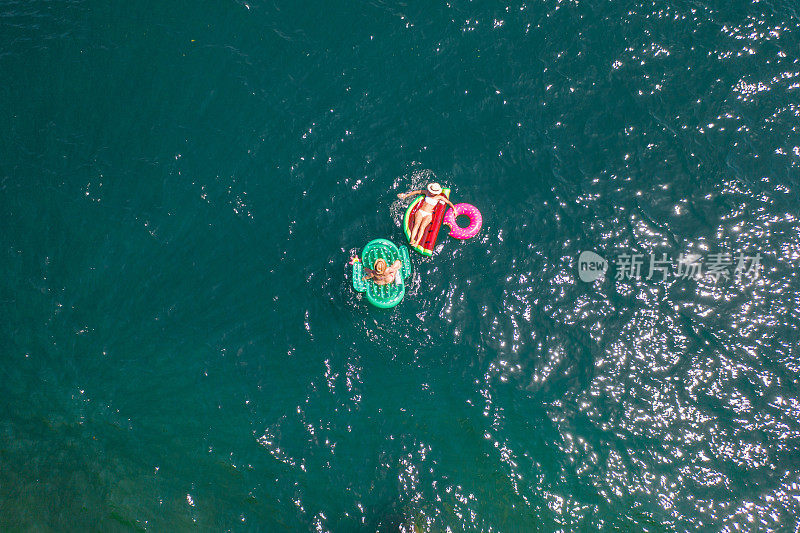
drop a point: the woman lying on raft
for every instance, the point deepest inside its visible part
(380, 274)
(424, 215)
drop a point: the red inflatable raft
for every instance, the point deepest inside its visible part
(428, 242)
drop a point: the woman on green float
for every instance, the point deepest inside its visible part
(424, 215)
(380, 274)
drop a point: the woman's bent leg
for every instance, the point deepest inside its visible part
(412, 235)
(414, 230)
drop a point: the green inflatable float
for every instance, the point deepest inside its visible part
(383, 296)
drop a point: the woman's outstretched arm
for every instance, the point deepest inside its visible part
(411, 193)
(369, 273)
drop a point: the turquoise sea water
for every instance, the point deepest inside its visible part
(182, 183)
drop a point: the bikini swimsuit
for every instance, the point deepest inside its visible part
(429, 201)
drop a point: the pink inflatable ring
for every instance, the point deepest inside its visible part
(475, 221)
